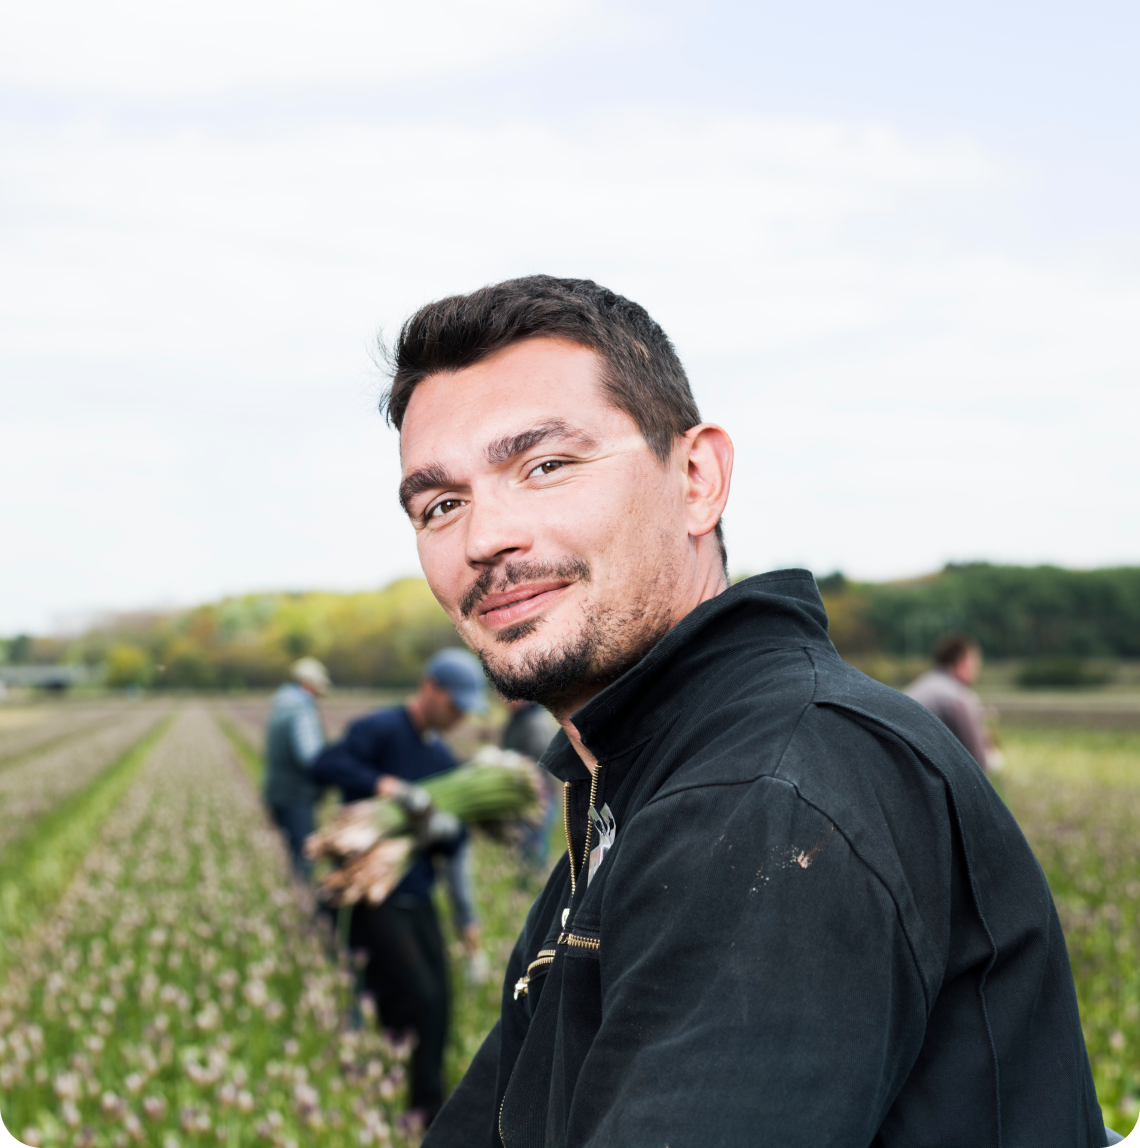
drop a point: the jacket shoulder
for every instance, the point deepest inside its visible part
(844, 688)
(872, 762)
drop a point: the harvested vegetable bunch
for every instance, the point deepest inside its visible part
(374, 842)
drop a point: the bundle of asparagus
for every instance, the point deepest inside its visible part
(373, 843)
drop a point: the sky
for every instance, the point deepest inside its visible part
(895, 245)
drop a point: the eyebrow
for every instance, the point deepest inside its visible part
(429, 477)
(433, 476)
(511, 446)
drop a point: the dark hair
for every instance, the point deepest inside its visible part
(641, 372)
(950, 649)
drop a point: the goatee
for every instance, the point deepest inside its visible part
(609, 642)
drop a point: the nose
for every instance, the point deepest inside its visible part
(497, 527)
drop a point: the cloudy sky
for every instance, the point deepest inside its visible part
(895, 244)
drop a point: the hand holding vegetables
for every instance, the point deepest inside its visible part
(375, 841)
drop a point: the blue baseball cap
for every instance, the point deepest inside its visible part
(460, 674)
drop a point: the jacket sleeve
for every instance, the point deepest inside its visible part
(760, 990)
(352, 764)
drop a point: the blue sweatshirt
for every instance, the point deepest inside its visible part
(387, 742)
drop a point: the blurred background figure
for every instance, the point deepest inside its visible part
(529, 731)
(406, 969)
(946, 691)
(293, 739)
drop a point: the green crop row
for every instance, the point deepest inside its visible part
(180, 993)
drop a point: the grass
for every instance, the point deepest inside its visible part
(181, 995)
(504, 891)
(249, 757)
(50, 743)
(1076, 795)
(35, 872)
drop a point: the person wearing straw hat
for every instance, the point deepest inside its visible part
(293, 739)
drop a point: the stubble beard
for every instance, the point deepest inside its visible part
(611, 639)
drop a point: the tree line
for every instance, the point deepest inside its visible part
(371, 638)
(382, 638)
(1013, 611)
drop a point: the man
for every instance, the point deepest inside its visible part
(945, 691)
(293, 738)
(407, 968)
(793, 912)
(529, 730)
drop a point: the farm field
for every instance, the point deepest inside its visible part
(178, 991)
(161, 981)
(1076, 794)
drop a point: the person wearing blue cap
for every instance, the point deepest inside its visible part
(407, 970)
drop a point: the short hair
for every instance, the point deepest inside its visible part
(950, 649)
(641, 373)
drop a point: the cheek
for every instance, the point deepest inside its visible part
(597, 517)
(444, 568)
(631, 512)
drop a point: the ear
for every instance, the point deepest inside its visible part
(707, 457)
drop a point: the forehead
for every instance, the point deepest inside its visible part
(454, 416)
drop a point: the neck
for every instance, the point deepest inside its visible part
(713, 583)
(590, 761)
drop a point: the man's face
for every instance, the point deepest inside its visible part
(546, 527)
(969, 666)
(439, 709)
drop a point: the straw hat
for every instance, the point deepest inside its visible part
(310, 672)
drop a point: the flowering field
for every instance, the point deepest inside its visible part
(178, 994)
(31, 728)
(1076, 795)
(37, 781)
(173, 991)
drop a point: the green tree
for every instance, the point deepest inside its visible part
(128, 666)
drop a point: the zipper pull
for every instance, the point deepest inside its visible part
(606, 828)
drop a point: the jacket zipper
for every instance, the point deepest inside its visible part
(546, 956)
(577, 941)
(594, 782)
(566, 828)
(522, 985)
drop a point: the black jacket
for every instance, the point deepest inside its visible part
(817, 925)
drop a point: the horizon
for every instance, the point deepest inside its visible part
(93, 621)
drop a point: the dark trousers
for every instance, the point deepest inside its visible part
(407, 974)
(296, 821)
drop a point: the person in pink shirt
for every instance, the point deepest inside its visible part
(945, 691)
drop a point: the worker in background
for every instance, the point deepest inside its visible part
(293, 739)
(946, 691)
(406, 970)
(529, 730)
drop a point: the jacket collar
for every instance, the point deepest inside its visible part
(770, 611)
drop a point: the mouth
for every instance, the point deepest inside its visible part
(497, 611)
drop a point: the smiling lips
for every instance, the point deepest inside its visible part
(499, 610)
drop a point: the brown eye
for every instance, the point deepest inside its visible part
(444, 507)
(548, 467)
